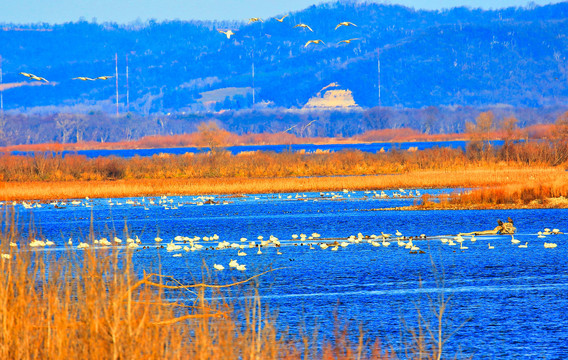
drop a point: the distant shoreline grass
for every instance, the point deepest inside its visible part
(231, 139)
(467, 178)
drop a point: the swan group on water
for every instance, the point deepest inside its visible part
(180, 243)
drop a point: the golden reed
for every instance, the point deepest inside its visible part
(471, 178)
(91, 304)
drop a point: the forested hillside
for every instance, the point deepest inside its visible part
(461, 56)
(438, 70)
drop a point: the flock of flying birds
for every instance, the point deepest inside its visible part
(227, 33)
(230, 33)
(84, 78)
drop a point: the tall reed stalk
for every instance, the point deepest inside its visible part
(91, 304)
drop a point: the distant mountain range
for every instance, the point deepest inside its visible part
(457, 57)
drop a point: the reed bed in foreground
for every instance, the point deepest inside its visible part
(92, 305)
(470, 178)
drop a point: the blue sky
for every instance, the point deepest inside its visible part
(125, 11)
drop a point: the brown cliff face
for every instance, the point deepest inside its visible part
(333, 99)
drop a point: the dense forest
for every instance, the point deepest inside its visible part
(438, 70)
(461, 56)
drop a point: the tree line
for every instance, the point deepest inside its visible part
(101, 127)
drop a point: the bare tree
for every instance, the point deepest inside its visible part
(479, 133)
(510, 134)
(80, 126)
(561, 139)
(211, 136)
(66, 123)
(3, 132)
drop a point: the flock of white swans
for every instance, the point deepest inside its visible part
(271, 244)
(180, 244)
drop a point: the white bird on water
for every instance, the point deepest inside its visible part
(514, 241)
(173, 247)
(218, 267)
(525, 245)
(241, 267)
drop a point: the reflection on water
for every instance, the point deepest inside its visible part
(515, 297)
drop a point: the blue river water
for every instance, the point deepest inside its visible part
(368, 147)
(506, 302)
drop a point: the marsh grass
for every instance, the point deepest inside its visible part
(470, 178)
(530, 194)
(48, 176)
(427, 337)
(92, 304)
(220, 164)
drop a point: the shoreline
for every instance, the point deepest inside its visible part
(551, 203)
(138, 145)
(430, 179)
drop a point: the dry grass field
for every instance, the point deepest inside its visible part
(472, 178)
